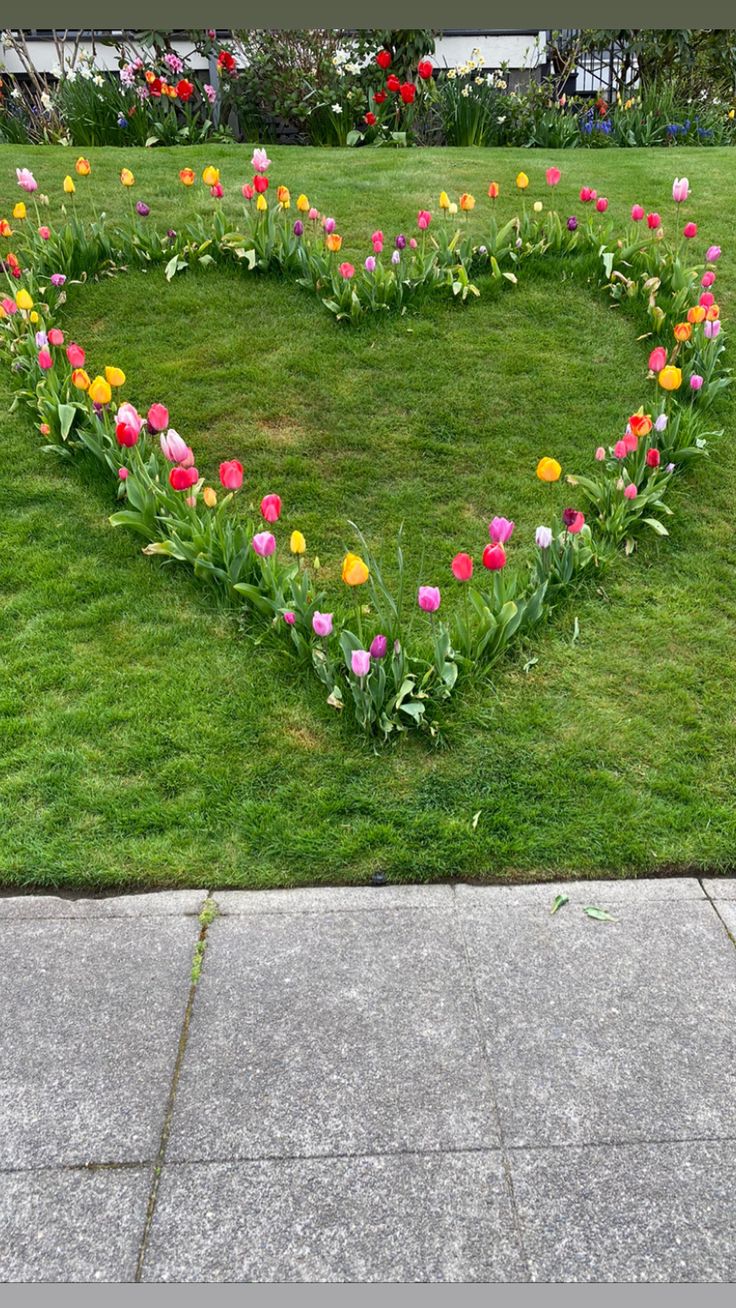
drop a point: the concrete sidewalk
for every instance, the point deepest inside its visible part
(394, 1084)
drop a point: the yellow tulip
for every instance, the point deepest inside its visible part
(333, 242)
(354, 570)
(549, 470)
(19, 210)
(670, 378)
(100, 391)
(467, 202)
(69, 186)
(522, 181)
(80, 379)
(126, 177)
(261, 204)
(452, 208)
(83, 167)
(115, 376)
(538, 206)
(33, 317)
(696, 314)
(297, 543)
(209, 495)
(444, 200)
(23, 300)
(302, 204)
(210, 175)
(283, 196)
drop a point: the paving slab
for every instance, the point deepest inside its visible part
(317, 1033)
(727, 913)
(720, 887)
(72, 1225)
(165, 903)
(645, 1212)
(90, 1017)
(486, 899)
(333, 899)
(404, 1218)
(599, 1031)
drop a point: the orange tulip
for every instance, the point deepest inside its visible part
(494, 190)
(5, 228)
(354, 571)
(83, 166)
(333, 242)
(186, 176)
(80, 379)
(696, 314)
(640, 424)
(467, 202)
(549, 470)
(713, 313)
(683, 331)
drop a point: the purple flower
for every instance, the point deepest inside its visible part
(298, 227)
(142, 208)
(400, 242)
(661, 422)
(712, 329)
(329, 225)
(370, 264)
(696, 381)
(41, 340)
(264, 543)
(58, 279)
(396, 257)
(572, 223)
(543, 537)
(171, 234)
(379, 645)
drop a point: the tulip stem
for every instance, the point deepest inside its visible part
(359, 620)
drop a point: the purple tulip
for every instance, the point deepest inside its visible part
(712, 253)
(329, 225)
(298, 227)
(572, 223)
(712, 329)
(400, 242)
(142, 208)
(379, 645)
(361, 662)
(58, 279)
(370, 264)
(661, 423)
(396, 257)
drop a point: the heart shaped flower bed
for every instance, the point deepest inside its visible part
(365, 646)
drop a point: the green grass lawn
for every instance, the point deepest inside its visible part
(147, 739)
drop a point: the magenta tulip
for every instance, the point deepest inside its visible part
(264, 544)
(428, 598)
(500, 530)
(379, 645)
(322, 623)
(271, 508)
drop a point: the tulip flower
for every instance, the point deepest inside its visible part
(522, 181)
(653, 221)
(56, 337)
(670, 378)
(126, 177)
(572, 223)
(9, 307)
(707, 299)
(543, 537)
(429, 598)
(302, 203)
(19, 211)
(680, 190)
(537, 206)
(264, 544)
(573, 520)
(128, 414)
(707, 279)
(216, 192)
(661, 423)
(26, 180)
(696, 381)
(494, 558)
(711, 329)
(100, 391)
(553, 176)
(494, 190)
(452, 209)
(69, 187)
(690, 230)
(347, 271)
(467, 202)
(407, 91)
(630, 441)
(425, 69)
(657, 359)
(444, 201)
(586, 194)
(322, 623)
(601, 204)
(297, 543)
(142, 209)
(187, 176)
(80, 379)
(158, 418)
(5, 228)
(354, 571)
(58, 279)
(360, 661)
(126, 434)
(640, 424)
(713, 253)
(210, 175)
(620, 450)
(41, 340)
(44, 360)
(261, 204)
(653, 458)
(383, 59)
(283, 195)
(231, 474)
(462, 567)
(696, 314)
(600, 454)
(424, 218)
(379, 646)
(713, 313)
(370, 264)
(271, 508)
(682, 331)
(115, 376)
(247, 191)
(637, 213)
(630, 491)
(333, 242)
(175, 449)
(500, 531)
(45, 233)
(83, 167)
(298, 228)
(549, 470)
(123, 474)
(183, 478)
(260, 161)
(289, 618)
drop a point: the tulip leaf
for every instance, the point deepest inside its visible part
(657, 526)
(599, 914)
(559, 902)
(66, 418)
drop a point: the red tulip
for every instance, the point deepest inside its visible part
(690, 230)
(653, 221)
(392, 82)
(653, 458)
(76, 356)
(231, 474)
(379, 97)
(494, 557)
(182, 478)
(370, 119)
(184, 90)
(260, 183)
(383, 59)
(407, 91)
(271, 507)
(425, 70)
(462, 567)
(601, 204)
(126, 435)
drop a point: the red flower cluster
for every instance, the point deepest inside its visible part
(226, 62)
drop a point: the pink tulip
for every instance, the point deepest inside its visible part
(264, 544)
(123, 474)
(158, 418)
(9, 306)
(630, 491)
(289, 618)
(600, 454)
(271, 508)
(45, 233)
(26, 180)
(329, 225)
(619, 450)
(630, 441)
(601, 204)
(658, 359)
(586, 194)
(713, 253)
(494, 558)
(637, 212)
(313, 214)
(248, 191)
(462, 567)
(500, 531)
(573, 520)
(553, 176)
(696, 381)
(44, 360)
(231, 474)
(690, 230)
(56, 337)
(260, 161)
(128, 414)
(654, 458)
(378, 247)
(424, 218)
(680, 190)
(360, 661)
(217, 191)
(428, 598)
(346, 270)
(412, 243)
(708, 278)
(175, 449)
(370, 264)
(707, 299)
(322, 623)
(712, 329)
(653, 221)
